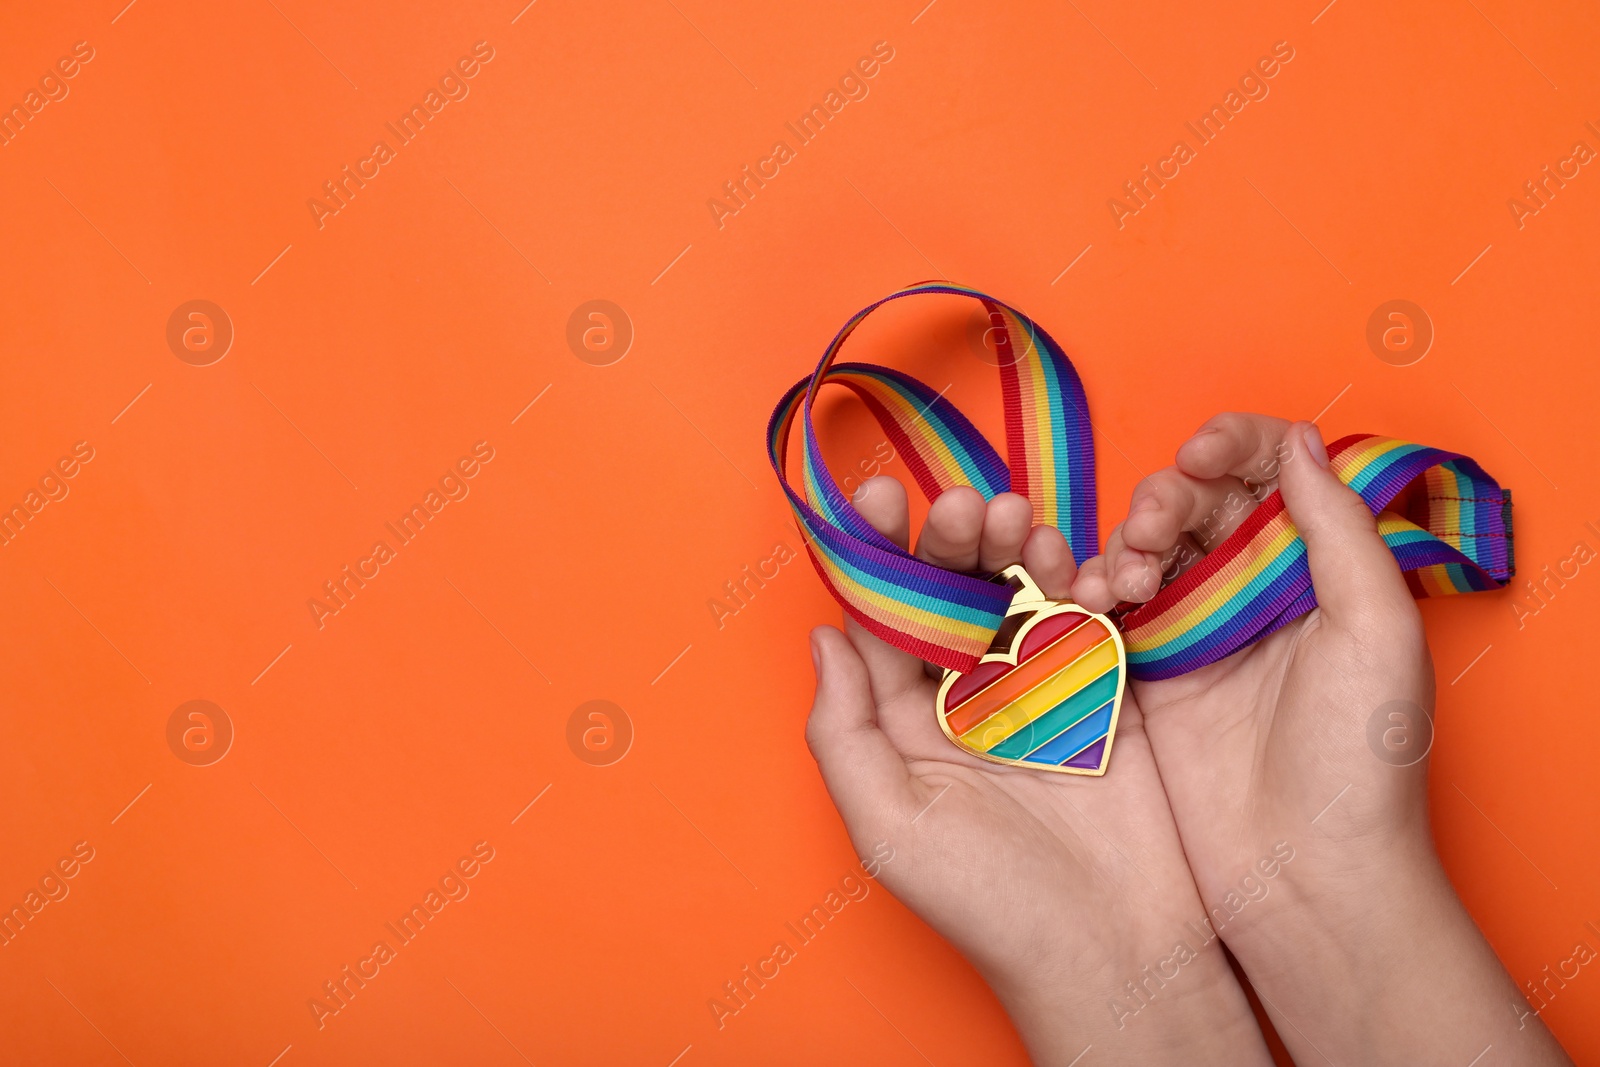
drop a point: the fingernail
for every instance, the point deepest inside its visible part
(1313, 439)
(816, 657)
(1144, 503)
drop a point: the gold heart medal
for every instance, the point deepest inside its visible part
(1046, 694)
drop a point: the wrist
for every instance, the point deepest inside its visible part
(1342, 894)
(1368, 955)
(1179, 1004)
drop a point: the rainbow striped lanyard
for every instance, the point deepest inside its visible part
(1446, 521)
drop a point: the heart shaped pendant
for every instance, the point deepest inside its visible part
(1046, 694)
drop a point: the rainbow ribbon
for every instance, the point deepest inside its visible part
(1446, 521)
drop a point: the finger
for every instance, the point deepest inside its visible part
(864, 773)
(1355, 575)
(1048, 560)
(1113, 550)
(1137, 578)
(951, 536)
(1007, 520)
(882, 502)
(1169, 503)
(1235, 444)
(1131, 574)
(1091, 589)
(1183, 555)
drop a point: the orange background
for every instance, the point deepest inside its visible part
(374, 752)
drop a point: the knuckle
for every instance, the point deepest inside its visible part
(1241, 431)
(1229, 421)
(1352, 511)
(1257, 440)
(1167, 483)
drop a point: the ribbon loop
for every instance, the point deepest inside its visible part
(944, 617)
(1446, 521)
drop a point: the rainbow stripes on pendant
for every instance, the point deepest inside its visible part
(1049, 698)
(1446, 521)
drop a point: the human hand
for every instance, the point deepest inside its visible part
(1359, 944)
(1065, 892)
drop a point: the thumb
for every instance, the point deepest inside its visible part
(864, 773)
(1355, 575)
